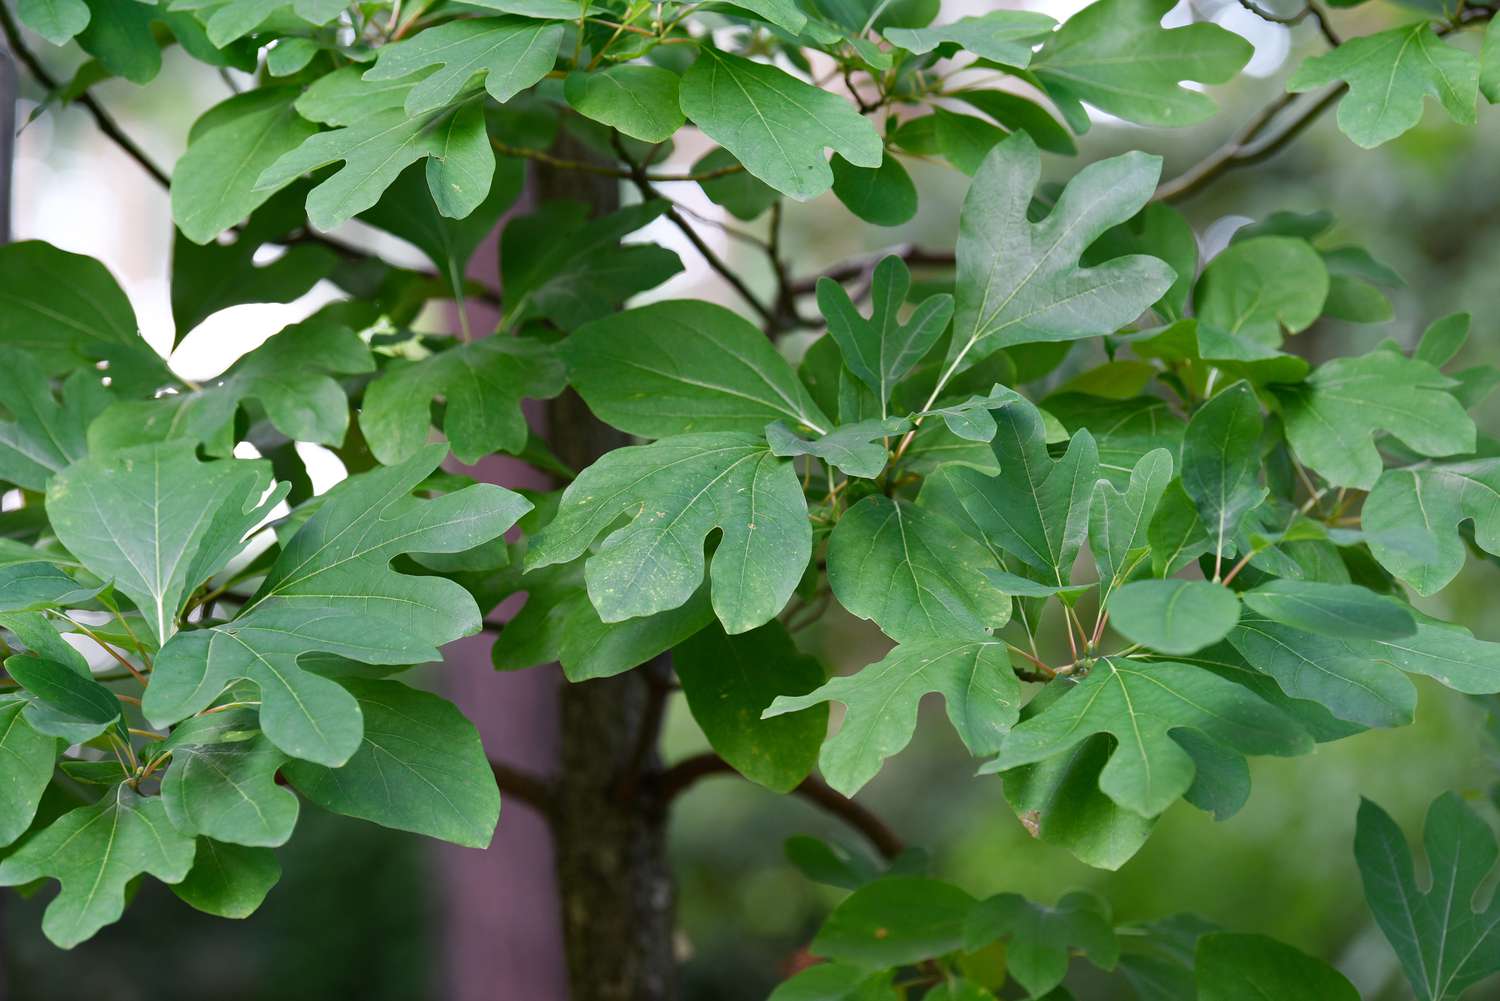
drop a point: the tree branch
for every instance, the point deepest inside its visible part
(102, 118)
(1251, 144)
(686, 773)
(642, 181)
(529, 789)
(561, 163)
(1310, 9)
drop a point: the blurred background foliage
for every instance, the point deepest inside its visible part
(358, 914)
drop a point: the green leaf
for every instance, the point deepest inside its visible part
(558, 264)
(728, 680)
(913, 572)
(1039, 940)
(1140, 705)
(512, 53)
(234, 19)
(774, 124)
(375, 150)
(1174, 616)
(881, 196)
(1119, 520)
(420, 767)
(1254, 967)
(1002, 36)
(1411, 519)
(407, 210)
(836, 982)
(94, 852)
(1389, 74)
(1341, 610)
(93, 322)
(638, 101)
(682, 367)
(482, 384)
(738, 191)
(157, 521)
(291, 374)
(343, 97)
(1059, 800)
(860, 449)
(208, 278)
(1221, 464)
(895, 921)
(29, 587)
(881, 350)
(120, 37)
(221, 782)
(55, 20)
(1019, 282)
(1257, 288)
(1037, 509)
(214, 183)
(1331, 419)
(1444, 945)
(67, 704)
(362, 609)
(44, 435)
(676, 492)
(973, 676)
(1350, 678)
(228, 881)
(1115, 55)
(1443, 339)
(1489, 63)
(29, 758)
(558, 623)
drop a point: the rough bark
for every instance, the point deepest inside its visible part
(609, 825)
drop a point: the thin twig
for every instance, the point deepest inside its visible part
(686, 773)
(643, 183)
(1310, 9)
(102, 118)
(528, 788)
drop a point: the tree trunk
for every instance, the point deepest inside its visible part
(609, 825)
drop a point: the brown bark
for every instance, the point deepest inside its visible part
(609, 826)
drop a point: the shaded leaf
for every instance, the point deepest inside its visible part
(420, 767)
(974, 677)
(1140, 705)
(729, 680)
(94, 852)
(684, 367)
(482, 384)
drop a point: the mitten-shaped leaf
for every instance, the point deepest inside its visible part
(1389, 74)
(157, 521)
(332, 590)
(1141, 705)
(94, 852)
(1445, 946)
(482, 383)
(1020, 281)
(974, 677)
(676, 491)
(1412, 516)
(1332, 418)
(1115, 55)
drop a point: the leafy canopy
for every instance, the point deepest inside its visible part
(1085, 485)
